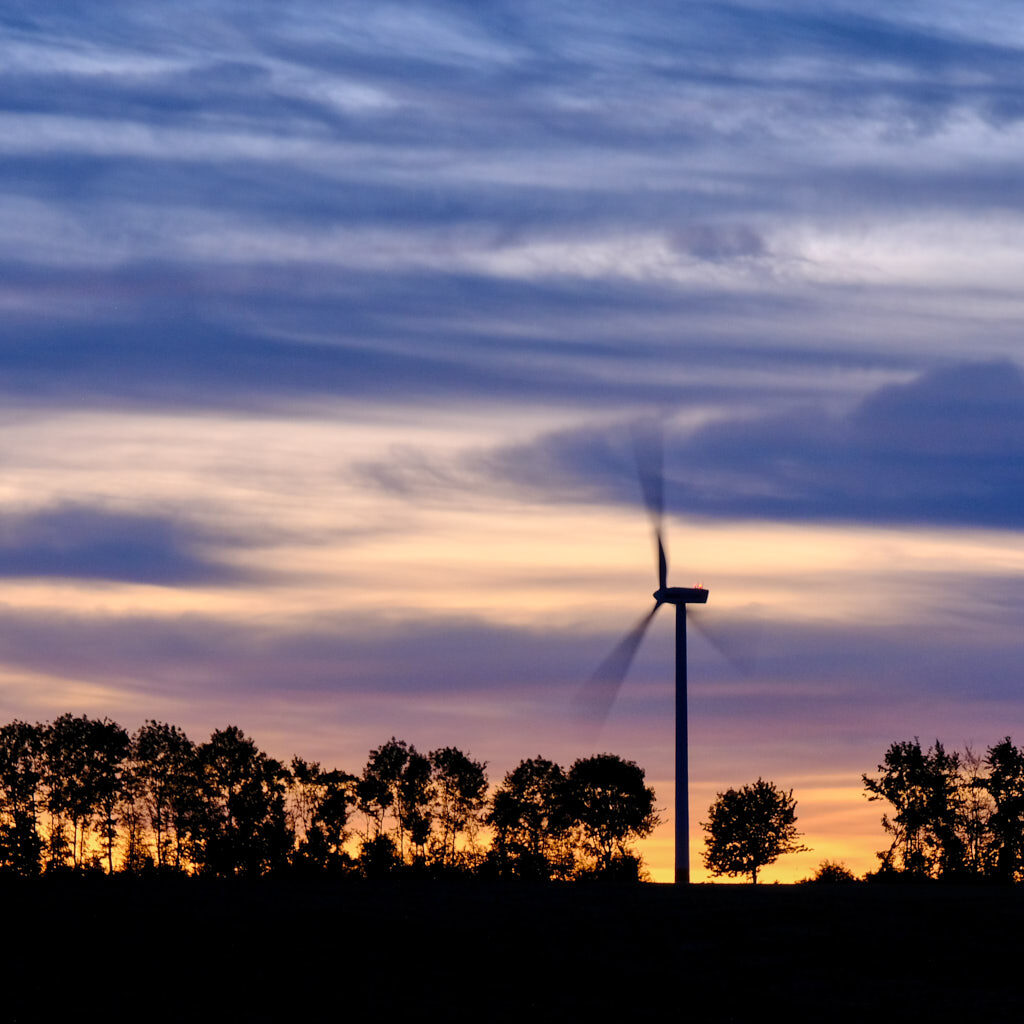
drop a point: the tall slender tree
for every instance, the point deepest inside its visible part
(460, 792)
(109, 744)
(1005, 783)
(320, 804)
(20, 776)
(165, 768)
(396, 785)
(976, 809)
(82, 763)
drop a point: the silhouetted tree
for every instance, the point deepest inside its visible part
(925, 788)
(226, 808)
(135, 854)
(82, 763)
(320, 802)
(415, 794)
(64, 764)
(976, 812)
(833, 872)
(396, 783)
(239, 825)
(531, 822)
(750, 828)
(20, 775)
(378, 856)
(167, 776)
(460, 788)
(1005, 783)
(377, 788)
(374, 799)
(109, 744)
(608, 802)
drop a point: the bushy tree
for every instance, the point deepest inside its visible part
(750, 828)
(833, 872)
(378, 856)
(928, 824)
(531, 822)
(608, 802)
(239, 825)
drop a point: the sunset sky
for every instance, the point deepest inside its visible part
(324, 325)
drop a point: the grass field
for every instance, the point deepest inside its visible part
(193, 950)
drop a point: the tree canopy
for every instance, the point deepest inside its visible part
(952, 815)
(612, 808)
(80, 794)
(531, 822)
(923, 788)
(750, 828)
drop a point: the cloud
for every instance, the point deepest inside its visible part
(460, 661)
(80, 542)
(716, 242)
(203, 337)
(946, 448)
(353, 656)
(572, 205)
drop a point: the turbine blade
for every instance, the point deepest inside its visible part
(597, 695)
(737, 642)
(649, 450)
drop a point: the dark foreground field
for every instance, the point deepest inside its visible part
(195, 951)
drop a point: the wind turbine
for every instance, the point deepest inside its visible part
(600, 692)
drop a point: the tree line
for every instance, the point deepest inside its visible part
(953, 816)
(83, 795)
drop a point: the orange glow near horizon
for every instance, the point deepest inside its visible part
(316, 548)
(836, 822)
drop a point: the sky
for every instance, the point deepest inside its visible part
(324, 327)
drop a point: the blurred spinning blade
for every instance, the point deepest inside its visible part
(596, 697)
(649, 450)
(735, 640)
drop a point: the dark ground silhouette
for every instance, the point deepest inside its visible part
(267, 950)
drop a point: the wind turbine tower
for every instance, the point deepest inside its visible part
(681, 597)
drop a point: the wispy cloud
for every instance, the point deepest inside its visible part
(945, 448)
(727, 148)
(81, 542)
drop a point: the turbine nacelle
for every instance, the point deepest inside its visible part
(681, 595)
